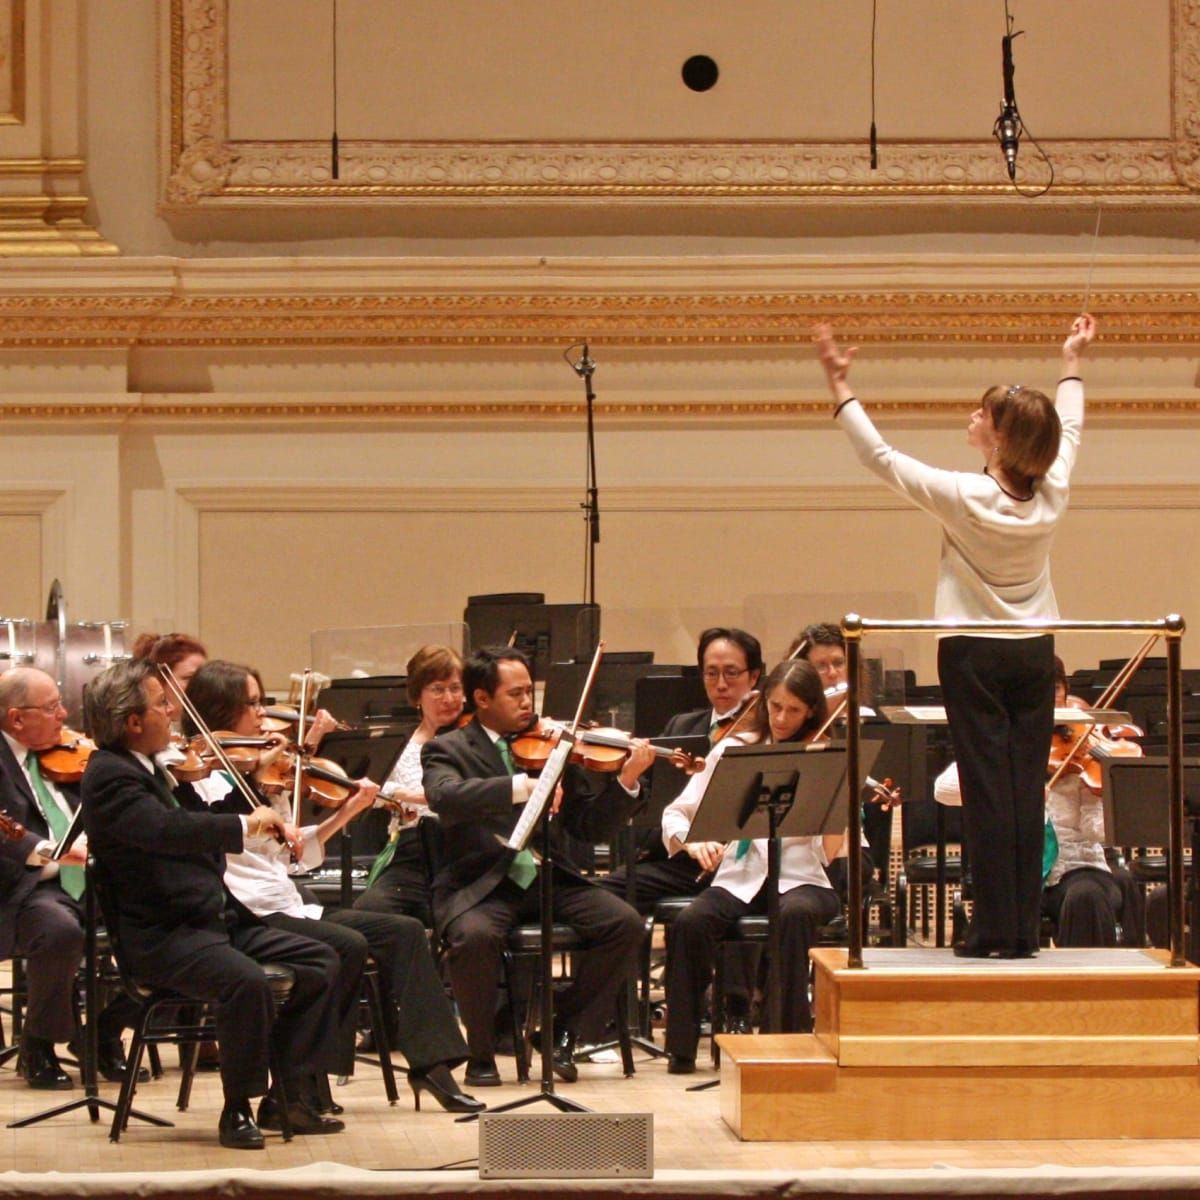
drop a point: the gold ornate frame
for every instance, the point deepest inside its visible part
(204, 168)
(15, 67)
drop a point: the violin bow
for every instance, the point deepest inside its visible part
(1108, 696)
(181, 698)
(305, 679)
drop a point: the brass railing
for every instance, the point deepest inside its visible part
(855, 628)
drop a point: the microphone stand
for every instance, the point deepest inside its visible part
(585, 368)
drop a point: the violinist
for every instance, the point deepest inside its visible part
(41, 916)
(482, 889)
(730, 662)
(162, 853)
(397, 882)
(794, 709)
(418, 1016)
(1085, 897)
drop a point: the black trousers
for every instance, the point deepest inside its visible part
(692, 950)
(657, 879)
(403, 886)
(420, 1020)
(999, 697)
(475, 940)
(228, 973)
(1085, 905)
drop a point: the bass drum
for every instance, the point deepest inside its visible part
(16, 643)
(74, 654)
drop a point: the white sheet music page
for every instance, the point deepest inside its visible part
(547, 782)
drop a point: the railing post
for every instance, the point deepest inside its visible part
(1175, 884)
(852, 631)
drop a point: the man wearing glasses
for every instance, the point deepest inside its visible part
(41, 914)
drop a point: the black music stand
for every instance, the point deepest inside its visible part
(360, 752)
(91, 1098)
(1135, 814)
(783, 789)
(553, 770)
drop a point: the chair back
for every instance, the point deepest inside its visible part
(105, 894)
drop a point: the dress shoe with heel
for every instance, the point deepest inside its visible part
(564, 1054)
(439, 1083)
(237, 1129)
(39, 1066)
(482, 1072)
(302, 1116)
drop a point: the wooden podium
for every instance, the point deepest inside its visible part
(922, 1045)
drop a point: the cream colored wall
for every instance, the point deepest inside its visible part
(250, 438)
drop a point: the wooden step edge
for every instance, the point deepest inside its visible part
(775, 1049)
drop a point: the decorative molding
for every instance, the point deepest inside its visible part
(51, 503)
(12, 61)
(205, 168)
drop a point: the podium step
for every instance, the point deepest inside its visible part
(921, 1045)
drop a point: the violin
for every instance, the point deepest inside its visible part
(280, 718)
(10, 828)
(595, 749)
(193, 765)
(65, 761)
(321, 779)
(1077, 749)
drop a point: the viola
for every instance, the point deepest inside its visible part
(1078, 749)
(65, 761)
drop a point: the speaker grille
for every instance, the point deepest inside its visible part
(566, 1145)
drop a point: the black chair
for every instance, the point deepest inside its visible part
(168, 1016)
(928, 829)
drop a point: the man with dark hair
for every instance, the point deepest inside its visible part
(162, 853)
(41, 917)
(483, 889)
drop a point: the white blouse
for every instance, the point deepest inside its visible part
(995, 563)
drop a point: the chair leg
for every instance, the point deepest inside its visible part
(120, 1119)
(379, 1033)
(191, 1055)
(520, 1042)
(281, 1094)
(152, 1056)
(623, 1038)
(718, 1004)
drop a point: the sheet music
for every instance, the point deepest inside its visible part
(547, 782)
(73, 830)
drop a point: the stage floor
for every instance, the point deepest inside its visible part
(388, 1150)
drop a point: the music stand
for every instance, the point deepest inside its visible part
(360, 752)
(784, 789)
(91, 1098)
(1135, 813)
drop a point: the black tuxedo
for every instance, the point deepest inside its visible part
(164, 854)
(475, 904)
(38, 920)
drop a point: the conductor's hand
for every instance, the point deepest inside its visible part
(1083, 329)
(707, 854)
(641, 758)
(835, 360)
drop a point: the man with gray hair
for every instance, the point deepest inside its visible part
(41, 918)
(161, 850)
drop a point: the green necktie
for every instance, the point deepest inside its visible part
(523, 869)
(71, 878)
(743, 848)
(1049, 850)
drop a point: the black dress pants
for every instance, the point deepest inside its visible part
(475, 941)
(227, 972)
(692, 950)
(999, 697)
(1085, 905)
(420, 1021)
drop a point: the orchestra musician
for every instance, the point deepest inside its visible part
(794, 709)
(41, 916)
(997, 528)
(1084, 895)
(731, 663)
(420, 1022)
(397, 882)
(482, 890)
(162, 852)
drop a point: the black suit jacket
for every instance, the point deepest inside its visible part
(687, 724)
(165, 864)
(17, 879)
(468, 786)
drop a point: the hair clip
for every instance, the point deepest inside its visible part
(1011, 394)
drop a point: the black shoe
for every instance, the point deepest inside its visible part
(482, 1072)
(237, 1129)
(678, 1065)
(740, 1024)
(110, 1060)
(439, 1083)
(564, 1055)
(322, 1099)
(303, 1117)
(40, 1067)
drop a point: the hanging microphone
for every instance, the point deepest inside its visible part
(584, 366)
(1007, 130)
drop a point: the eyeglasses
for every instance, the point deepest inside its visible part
(51, 709)
(439, 690)
(729, 674)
